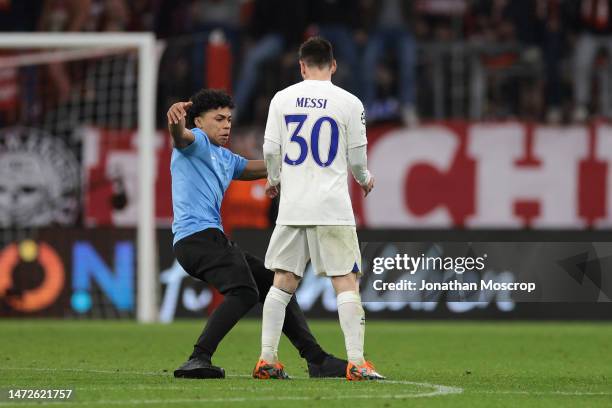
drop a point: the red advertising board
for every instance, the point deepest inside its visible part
(489, 175)
(508, 175)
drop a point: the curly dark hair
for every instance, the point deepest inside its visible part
(208, 99)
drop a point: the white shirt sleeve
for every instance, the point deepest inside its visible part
(273, 124)
(356, 127)
(272, 156)
(272, 144)
(358, 160)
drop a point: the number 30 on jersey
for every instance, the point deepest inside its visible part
(314, 140)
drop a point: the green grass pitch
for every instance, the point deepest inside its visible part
(430, 364)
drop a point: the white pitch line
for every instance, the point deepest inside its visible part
(439, 389)
(436, 390)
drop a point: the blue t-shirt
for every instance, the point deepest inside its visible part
(201, 172)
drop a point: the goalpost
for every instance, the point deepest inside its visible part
(72, 46)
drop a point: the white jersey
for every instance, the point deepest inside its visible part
(315, 123)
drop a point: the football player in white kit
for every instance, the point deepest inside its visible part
(315, 131)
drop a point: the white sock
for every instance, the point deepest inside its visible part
(352, 321)
(272, 322)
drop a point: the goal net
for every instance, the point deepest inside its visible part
(58, 94)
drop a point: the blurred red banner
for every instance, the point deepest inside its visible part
(440, 175)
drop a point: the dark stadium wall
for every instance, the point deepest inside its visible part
(581, 300)
(91, 273)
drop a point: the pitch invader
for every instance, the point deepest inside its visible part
(315, 130)
(202, 169)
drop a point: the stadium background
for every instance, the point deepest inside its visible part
(487, 120)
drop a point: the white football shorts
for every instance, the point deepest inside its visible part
(333, 249)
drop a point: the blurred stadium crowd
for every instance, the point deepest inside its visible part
(475, 59)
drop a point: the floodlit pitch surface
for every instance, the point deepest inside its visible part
(429, 364)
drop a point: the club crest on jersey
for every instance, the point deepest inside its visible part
(311, 103)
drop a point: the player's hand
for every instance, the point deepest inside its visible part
(368, 187)
(272, 191)
(178, 112)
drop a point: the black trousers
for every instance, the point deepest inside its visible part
(242, 278)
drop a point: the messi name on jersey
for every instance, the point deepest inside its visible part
(311, 103)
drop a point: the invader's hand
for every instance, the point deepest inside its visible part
(178, 112)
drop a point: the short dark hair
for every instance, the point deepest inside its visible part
(208, 99)
(316, 51)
